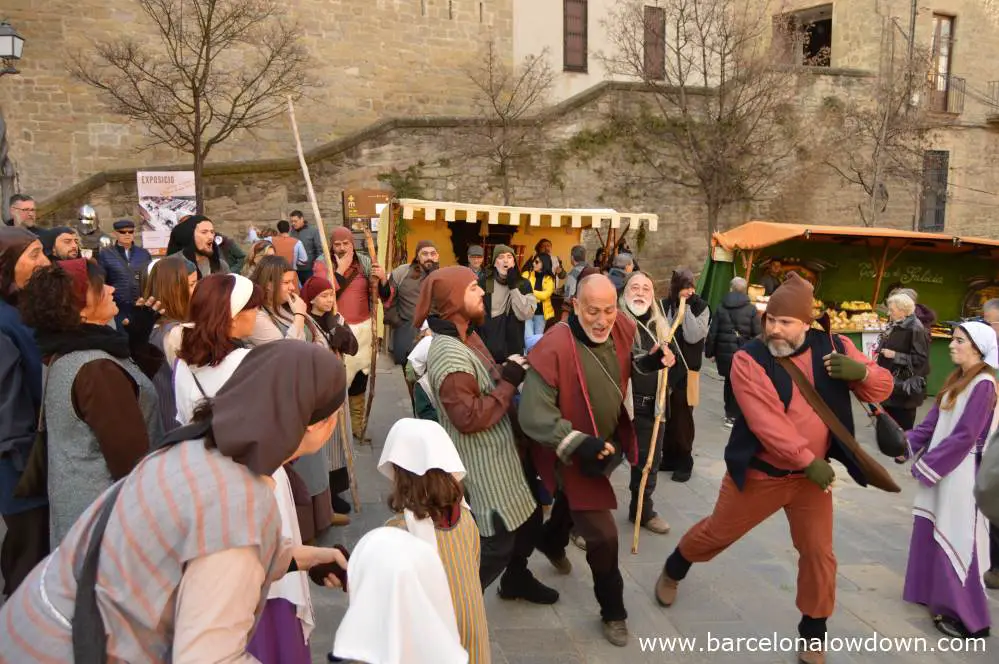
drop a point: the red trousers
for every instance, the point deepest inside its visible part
(809, 512)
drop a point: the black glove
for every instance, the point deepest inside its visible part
(650, 362)
(319, 573)
(342, 340)
(513, 372)
(525, 287)
(586, 455)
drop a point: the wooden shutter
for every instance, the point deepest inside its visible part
(654, 45)
(574, 35)
(933, 207)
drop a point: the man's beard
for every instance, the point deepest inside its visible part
(207, 254)
(638, 308)
(429, 266)
(477, 317)
(783, 348)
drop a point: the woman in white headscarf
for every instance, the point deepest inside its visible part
(400, 610)
(949, 549)
(426, 472)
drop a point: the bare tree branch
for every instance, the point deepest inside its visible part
(217, 67)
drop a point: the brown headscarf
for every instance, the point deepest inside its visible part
(793, 299)
(260, 414)
(341, 234)
(14, 241)
(443, 292)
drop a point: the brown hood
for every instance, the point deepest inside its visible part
(443, 293)
(14, 241)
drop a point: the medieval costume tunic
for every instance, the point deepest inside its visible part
(777, 436)
(193, 539)
(406, 282)
(475, 401)
(575, 389)
(688, 345)
(949, 550)
(419, 447)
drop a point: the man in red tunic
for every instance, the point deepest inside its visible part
(572, 405)
(777, 454)
(354, 276)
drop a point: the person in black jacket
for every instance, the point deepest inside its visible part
(735, 322)
(509, 301)
(904, 349)
(124, 264)
(688, 345)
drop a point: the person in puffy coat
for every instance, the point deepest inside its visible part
(124, 264)
(735, 322)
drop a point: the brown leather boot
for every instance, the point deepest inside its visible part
(666, 589)
(357, 404)
(812, 657)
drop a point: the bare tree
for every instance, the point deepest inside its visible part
(881, 137)
(723, 122)
(216, 67)
(509, 105)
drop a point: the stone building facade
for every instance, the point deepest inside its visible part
(394, 97)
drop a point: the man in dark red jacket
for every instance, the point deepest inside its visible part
(573, 406)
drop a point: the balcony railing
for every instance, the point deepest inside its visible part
(947, 94)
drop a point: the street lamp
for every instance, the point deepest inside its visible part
(11, 45)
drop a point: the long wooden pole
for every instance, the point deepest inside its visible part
(373, 364)
(345, 442)
(661, 392)
(879, 277)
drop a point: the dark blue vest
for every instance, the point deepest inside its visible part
(743, 445)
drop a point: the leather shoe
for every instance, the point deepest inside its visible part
(681, 475)
(616, 631)
(340, 520)
(811, 657)
(524, 586)
(666, 589)
(656, 525)
(991, 579)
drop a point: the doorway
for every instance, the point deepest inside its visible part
(464, 235)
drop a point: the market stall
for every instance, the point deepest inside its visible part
(854, 268)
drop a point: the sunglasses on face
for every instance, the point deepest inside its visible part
(126, 232)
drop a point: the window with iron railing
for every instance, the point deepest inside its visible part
(574, 35)
(933, 205)
(942, 49)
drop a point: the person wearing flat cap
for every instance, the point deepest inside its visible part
(476, 256)
(60, 243)
(124, 265)
(174, 562)
(779, 449)
(948, 552)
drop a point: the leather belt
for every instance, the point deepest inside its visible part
(757, 463)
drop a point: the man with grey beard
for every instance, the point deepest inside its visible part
(777, 454)
(638, 302)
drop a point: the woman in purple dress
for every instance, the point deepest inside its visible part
(949, 547)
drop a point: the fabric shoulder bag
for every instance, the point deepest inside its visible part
(888, 433)
(875, 473)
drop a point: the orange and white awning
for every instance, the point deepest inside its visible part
(419, 210)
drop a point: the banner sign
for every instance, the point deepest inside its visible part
(165, 197)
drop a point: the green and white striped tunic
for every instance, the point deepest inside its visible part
(495, 481)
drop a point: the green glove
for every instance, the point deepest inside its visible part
(842, 367)
(820, 472)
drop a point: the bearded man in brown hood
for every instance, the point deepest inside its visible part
(475, 400)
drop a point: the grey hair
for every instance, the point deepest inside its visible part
(738, 285)
(622, 261)
(903, 303)
(991, 305)
(578, 254)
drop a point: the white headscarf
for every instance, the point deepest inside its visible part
(419, 446)
(984, 338)
(400, 608)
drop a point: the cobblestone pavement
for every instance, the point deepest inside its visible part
(748, 591)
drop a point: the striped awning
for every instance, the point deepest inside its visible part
(413, 209)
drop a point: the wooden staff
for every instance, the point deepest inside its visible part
(661, 391)
(373, 367)
(344, 413)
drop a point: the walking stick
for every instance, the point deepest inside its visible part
(661, 391)
(341, 421)
(373, 367)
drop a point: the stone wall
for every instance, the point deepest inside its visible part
(372, 59)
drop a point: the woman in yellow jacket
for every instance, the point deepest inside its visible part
(543, 281)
